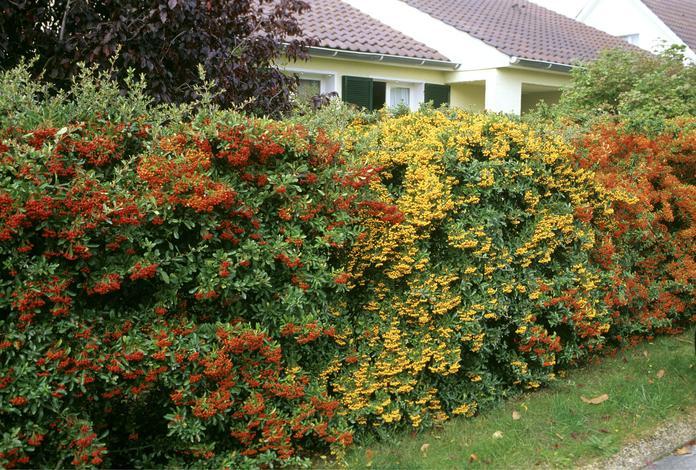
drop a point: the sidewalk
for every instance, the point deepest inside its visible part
(682, 459)
(657, 451)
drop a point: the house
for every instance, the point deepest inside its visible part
(498, 55)
(649, 24)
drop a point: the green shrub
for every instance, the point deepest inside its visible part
(182, 286)
(149, 272)
(630, 117)
(635, 86)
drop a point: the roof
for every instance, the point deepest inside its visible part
(338, 25)
(522, 29)
(679, 16)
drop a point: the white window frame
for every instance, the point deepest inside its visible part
(394, 87)
(327, 79)
(307, 79)
(416, 94)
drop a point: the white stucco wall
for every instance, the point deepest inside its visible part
(503, 86)
(538, 77)
(503, 93)
(625, 17)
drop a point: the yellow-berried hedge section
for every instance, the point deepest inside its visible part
(484, 286)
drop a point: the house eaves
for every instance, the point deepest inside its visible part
(541, 65)
(382, 58)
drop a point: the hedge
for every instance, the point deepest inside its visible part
(518, 256)
(486, 285)
(192, 287)
(164, 287)
(649, 248)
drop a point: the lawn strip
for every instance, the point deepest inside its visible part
(647, 385)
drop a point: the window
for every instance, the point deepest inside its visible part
(379, 95)
(373, 94)
(399, 95)
(307, 89)
(312, 83)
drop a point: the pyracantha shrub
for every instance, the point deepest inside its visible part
(485, 284)
(166, 291)
(198, 288)
(649, 243)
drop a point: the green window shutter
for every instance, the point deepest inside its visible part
(358, 90)
(438, 94)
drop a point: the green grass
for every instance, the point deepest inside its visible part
(556, 428)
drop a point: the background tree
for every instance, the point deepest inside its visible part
(642, 88)
(236, 41)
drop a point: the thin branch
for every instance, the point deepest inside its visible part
(62, 24)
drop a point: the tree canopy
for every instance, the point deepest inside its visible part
(236, 42)
(639, 86)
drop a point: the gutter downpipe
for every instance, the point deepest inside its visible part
(541, 64)
(385, 58)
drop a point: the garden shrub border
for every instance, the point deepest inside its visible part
(183, 287)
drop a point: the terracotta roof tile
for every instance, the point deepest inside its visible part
(522, 29)
(679, 16)
(338, 25)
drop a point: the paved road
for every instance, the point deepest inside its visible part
(676, 462)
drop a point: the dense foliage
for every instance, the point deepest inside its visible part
(630, 116)
(148, 276)
(485, 285)
(651, 244)
(236, 42)
(641, 88)
(184, 286)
